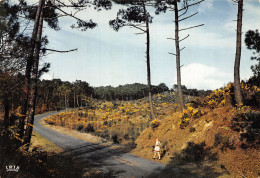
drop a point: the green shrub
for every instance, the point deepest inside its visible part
(192, 129)
(223, 142)
(218, 139)
(105, 123)
(126, 137)
(79, 127)
(89, 128)
(104, 134)
(193, 153)
(115, 138)
(247, 123)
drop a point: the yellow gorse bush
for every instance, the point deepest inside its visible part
(216, 98)
(155, 123)
(219, 96)
(191, 112)
(188, 114)
(240, 111)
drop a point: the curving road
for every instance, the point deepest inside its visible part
(107, 159)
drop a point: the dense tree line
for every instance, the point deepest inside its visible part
(191, 92)
(128, 91)
(52, 94)
(56, 94)
(138, 91)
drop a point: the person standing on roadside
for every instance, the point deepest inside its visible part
(157, 148)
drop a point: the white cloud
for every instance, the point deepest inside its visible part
(200, 76)
(204, 38)
(205, 5)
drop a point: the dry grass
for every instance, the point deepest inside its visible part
(73, 133)
(43, 144)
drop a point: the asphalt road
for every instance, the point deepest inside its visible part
(107, 159)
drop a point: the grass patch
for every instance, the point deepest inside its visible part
(73, 133)
(41, 143)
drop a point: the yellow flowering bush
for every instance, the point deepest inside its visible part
(213, 103)
(184, 123)
(219, 96)
(155, 123)
(249, 90)
(188, 114)
(216, 98)
(240, 111)
(191, 112)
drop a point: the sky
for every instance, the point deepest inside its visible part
(106, 57)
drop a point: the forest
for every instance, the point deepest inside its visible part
(118, 113)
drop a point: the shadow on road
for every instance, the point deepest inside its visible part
(101, 158)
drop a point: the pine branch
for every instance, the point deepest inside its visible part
(65, 5)
(191, 27)
(46, 49)
(71, 15)
(131, 25)
(172, 54)
(182, 48)
(188, 17)
(184, 38)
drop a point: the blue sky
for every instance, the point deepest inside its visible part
(106, 57)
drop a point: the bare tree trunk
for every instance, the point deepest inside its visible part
(74, 100)
(80, 101)
(33, 92)
(148, 62)
(29, 65)
(177, 46)
(65, 100)
(68, 100)
(237, 88)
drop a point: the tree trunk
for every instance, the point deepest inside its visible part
(33, 92)
(80, 101)
(177, 46)
(237, 88)
(148, 62)
(65, 100)
(74, 100)
(29, 65)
